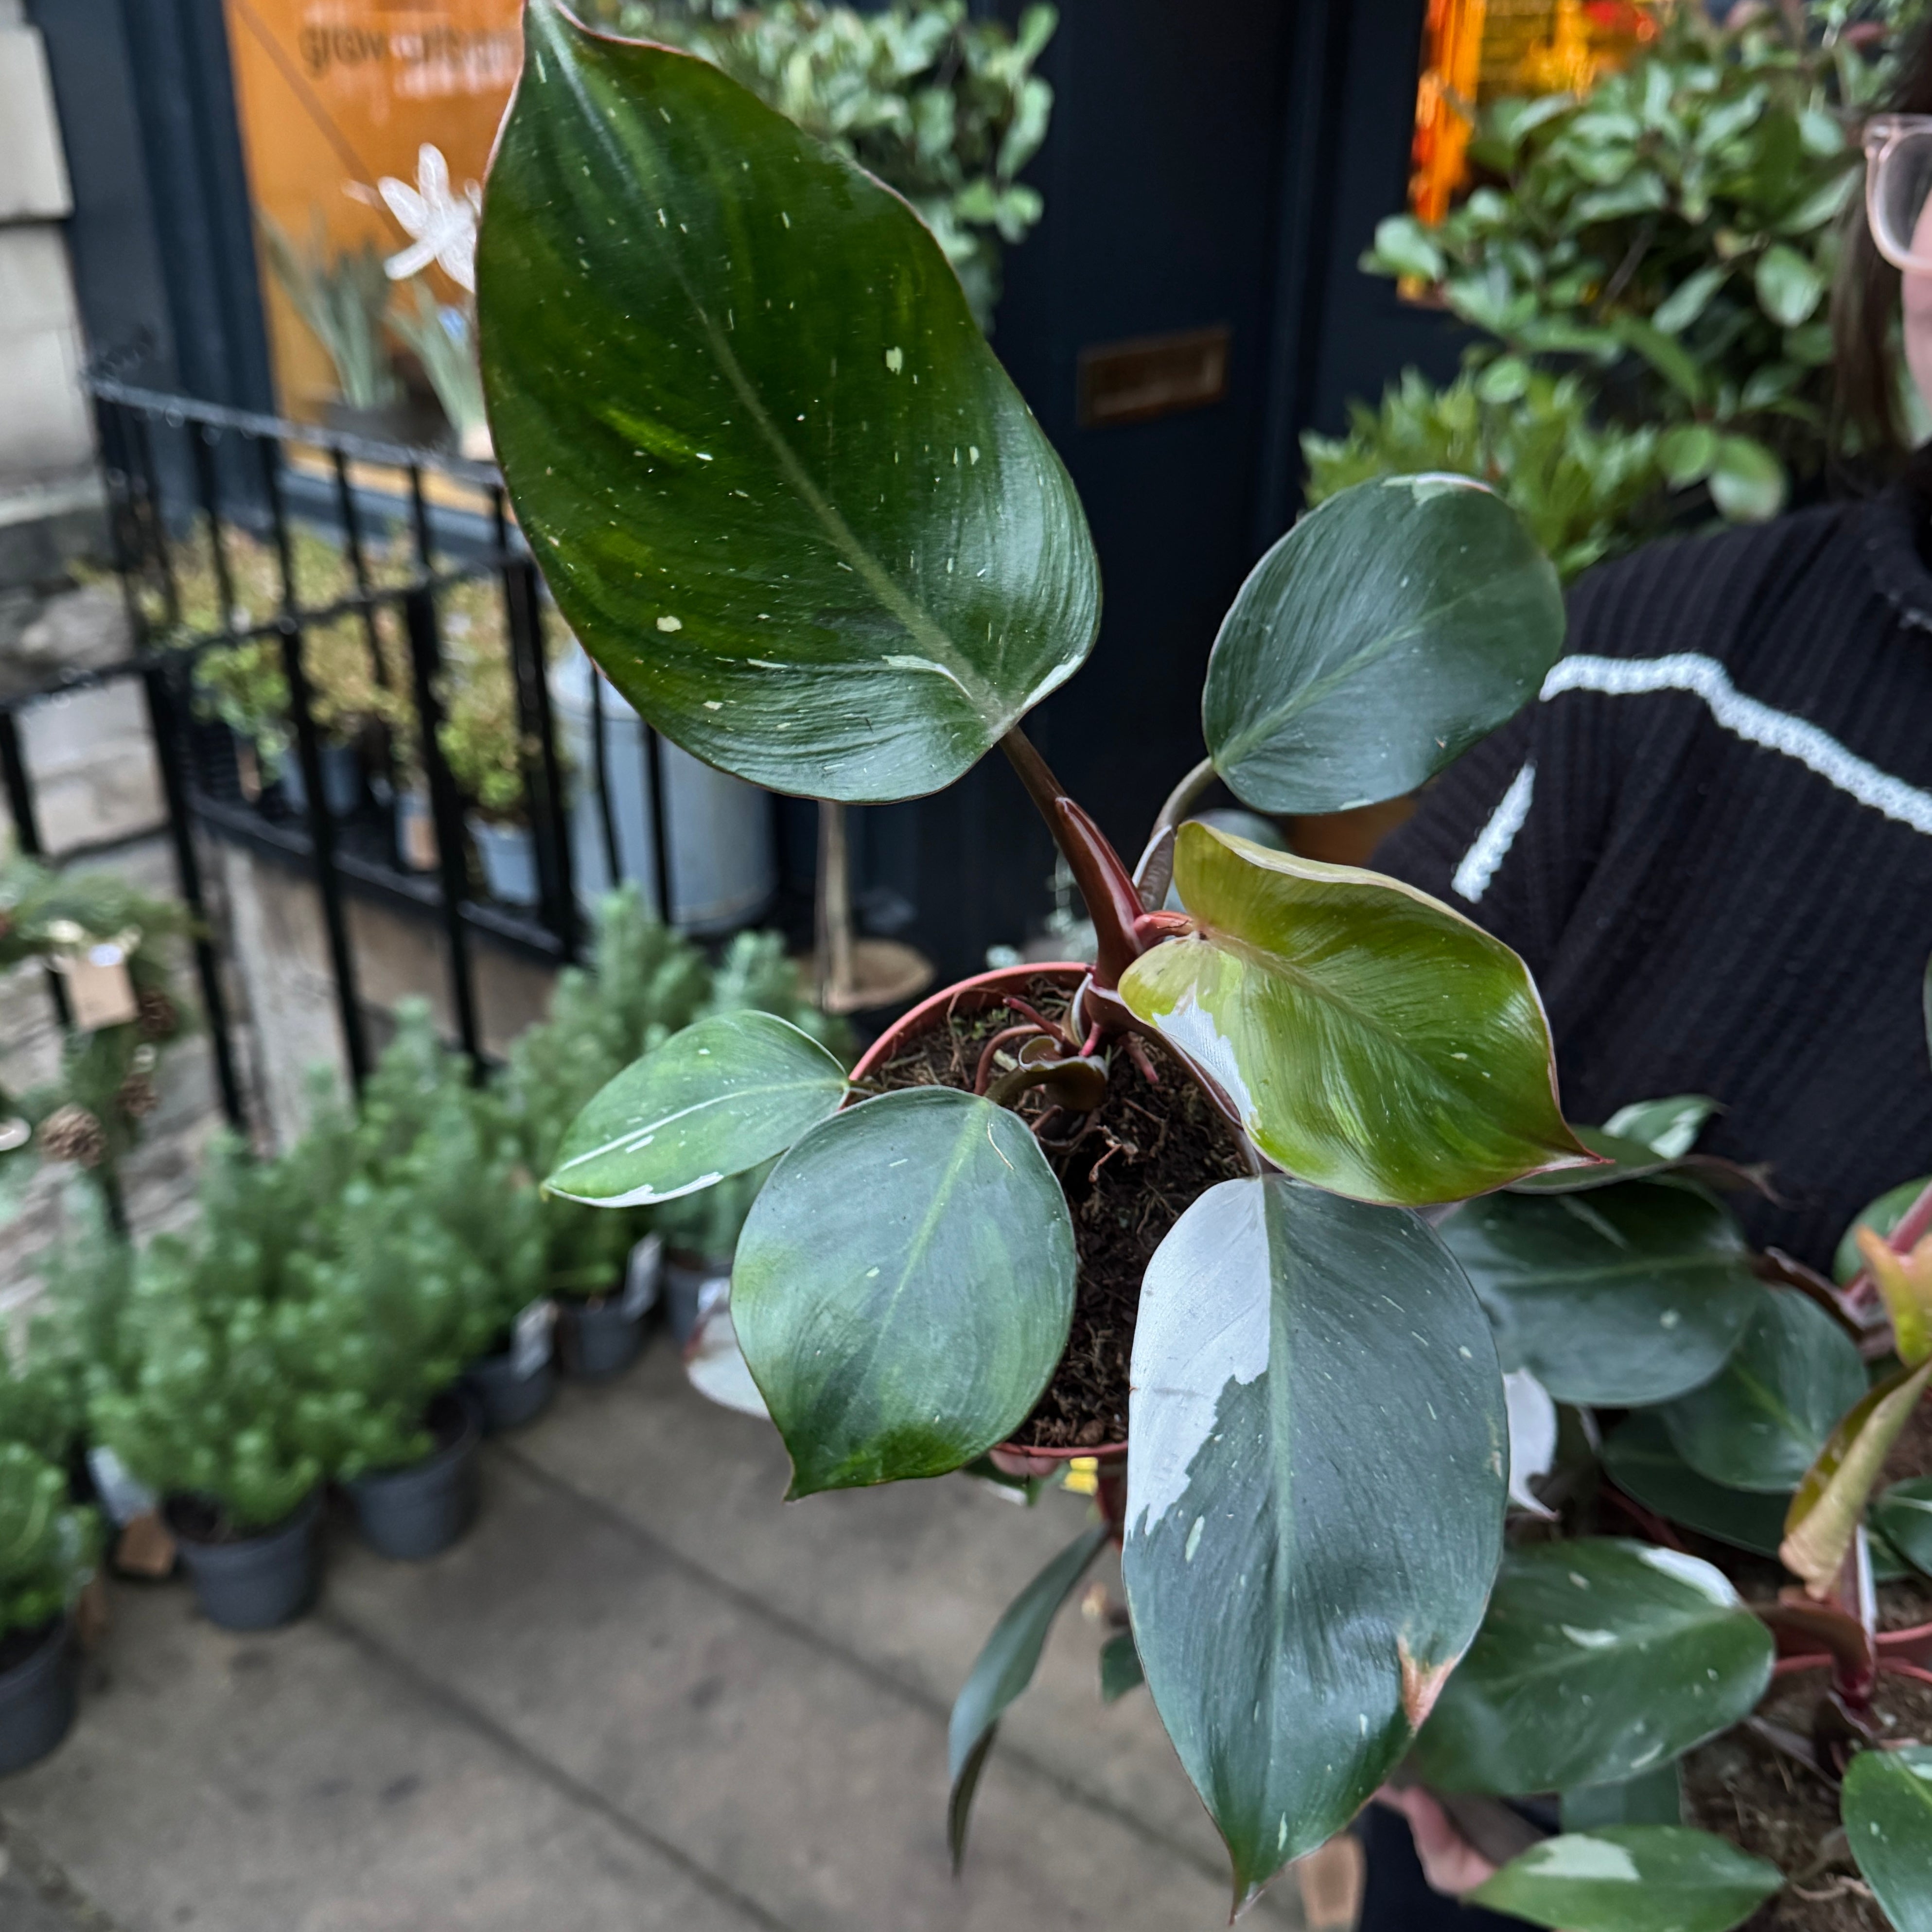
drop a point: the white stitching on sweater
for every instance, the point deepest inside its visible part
(1472, 878)
(1756, 723)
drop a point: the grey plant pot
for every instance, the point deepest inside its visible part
(598, 1339)
(418, 1511)
(341, 779)
(506, 1400)
(509, 856)
(258, 1582)
(37, 1701)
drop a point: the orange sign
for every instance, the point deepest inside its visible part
(338, 99)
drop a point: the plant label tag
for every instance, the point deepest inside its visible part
(144, 1548)
(642, 1273)
(122, 1498)
(529, 1341)
(100, 989)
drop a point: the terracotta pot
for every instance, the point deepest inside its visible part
(1908, 1650)
(972, 996)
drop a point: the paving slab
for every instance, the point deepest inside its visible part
(911, 1576)
(283, 1783)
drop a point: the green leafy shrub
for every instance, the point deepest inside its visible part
(1673, 235)
(342, 299)
(1585, 492)
(48, 1547)
(201, 1399)
(944, 107)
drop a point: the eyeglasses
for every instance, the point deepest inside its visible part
(1898, 180)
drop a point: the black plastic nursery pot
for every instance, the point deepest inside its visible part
(598, 1339)
(686, 1276)
(510, 1390)
(419, 1510)
(249, 1582)
(37, 1694)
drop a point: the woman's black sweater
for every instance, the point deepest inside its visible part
(1710, 838)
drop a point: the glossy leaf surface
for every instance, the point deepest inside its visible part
(1652, 1798)
(1375, 1042)
(1642, 1461)
(1825, 1511)
(1669, 1126)
(1315, 1483)
(1393, 627)
(724, 1096)
(1621, 1159)
(903, 1288)
(1598, 1660)
(780, 486)
(1629, 1296)
(1887, 1808)
(1761, 1421)
(1002, 1670)
(1903, 1515)
(1633, 1878)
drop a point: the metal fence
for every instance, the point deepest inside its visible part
(217, 518)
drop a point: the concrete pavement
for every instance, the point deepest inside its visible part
(642, 1694)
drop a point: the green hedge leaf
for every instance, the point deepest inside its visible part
(1376, 1043)
(724, 1096)
(1633, 1878)
(904, 1288)
(1598, 1660)
(1887, 1806)
(1315, 1500)
(1761, 1421)
(780, 486)
(1617, 1299)
(1394, 625)
(1747, 480)
(1789, 285)
(1002, 1670)
(1641, 1461)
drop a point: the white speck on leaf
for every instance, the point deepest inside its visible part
(896, 360)
(670, 623)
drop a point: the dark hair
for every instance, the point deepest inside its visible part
(1869, 419)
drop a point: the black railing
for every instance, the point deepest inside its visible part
(260, 556)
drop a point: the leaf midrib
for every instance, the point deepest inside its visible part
(658, 1124)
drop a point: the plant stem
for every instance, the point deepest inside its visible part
(1182, 796)
(1112, 903)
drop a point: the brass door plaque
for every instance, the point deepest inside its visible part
(1152, 376)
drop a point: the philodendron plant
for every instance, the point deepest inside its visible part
(784, 493)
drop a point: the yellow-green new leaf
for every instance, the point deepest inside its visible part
(723, 1097)
(1376, 1043)
(1906, 1283)
(780, 486)
(1825, 1511)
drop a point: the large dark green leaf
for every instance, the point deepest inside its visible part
(1376, 1043)
(1887, 1806)
(780, 486)
(1632, 1295)
(724, 1096)
(1002, 1670)
(1315, 1500)
(1654, 1798)
(1598, 1660)
(1622, 1160)
(1903, 1515)
(904, 1287)
(1633, 1878)
(1640, 1460)
(1760, 1422)
(1387, 631)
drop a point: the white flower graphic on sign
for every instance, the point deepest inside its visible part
(441, 225)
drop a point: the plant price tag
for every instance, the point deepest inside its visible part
(122, 1498)
(642, 1273)
(529, 1340)
(100, 989)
